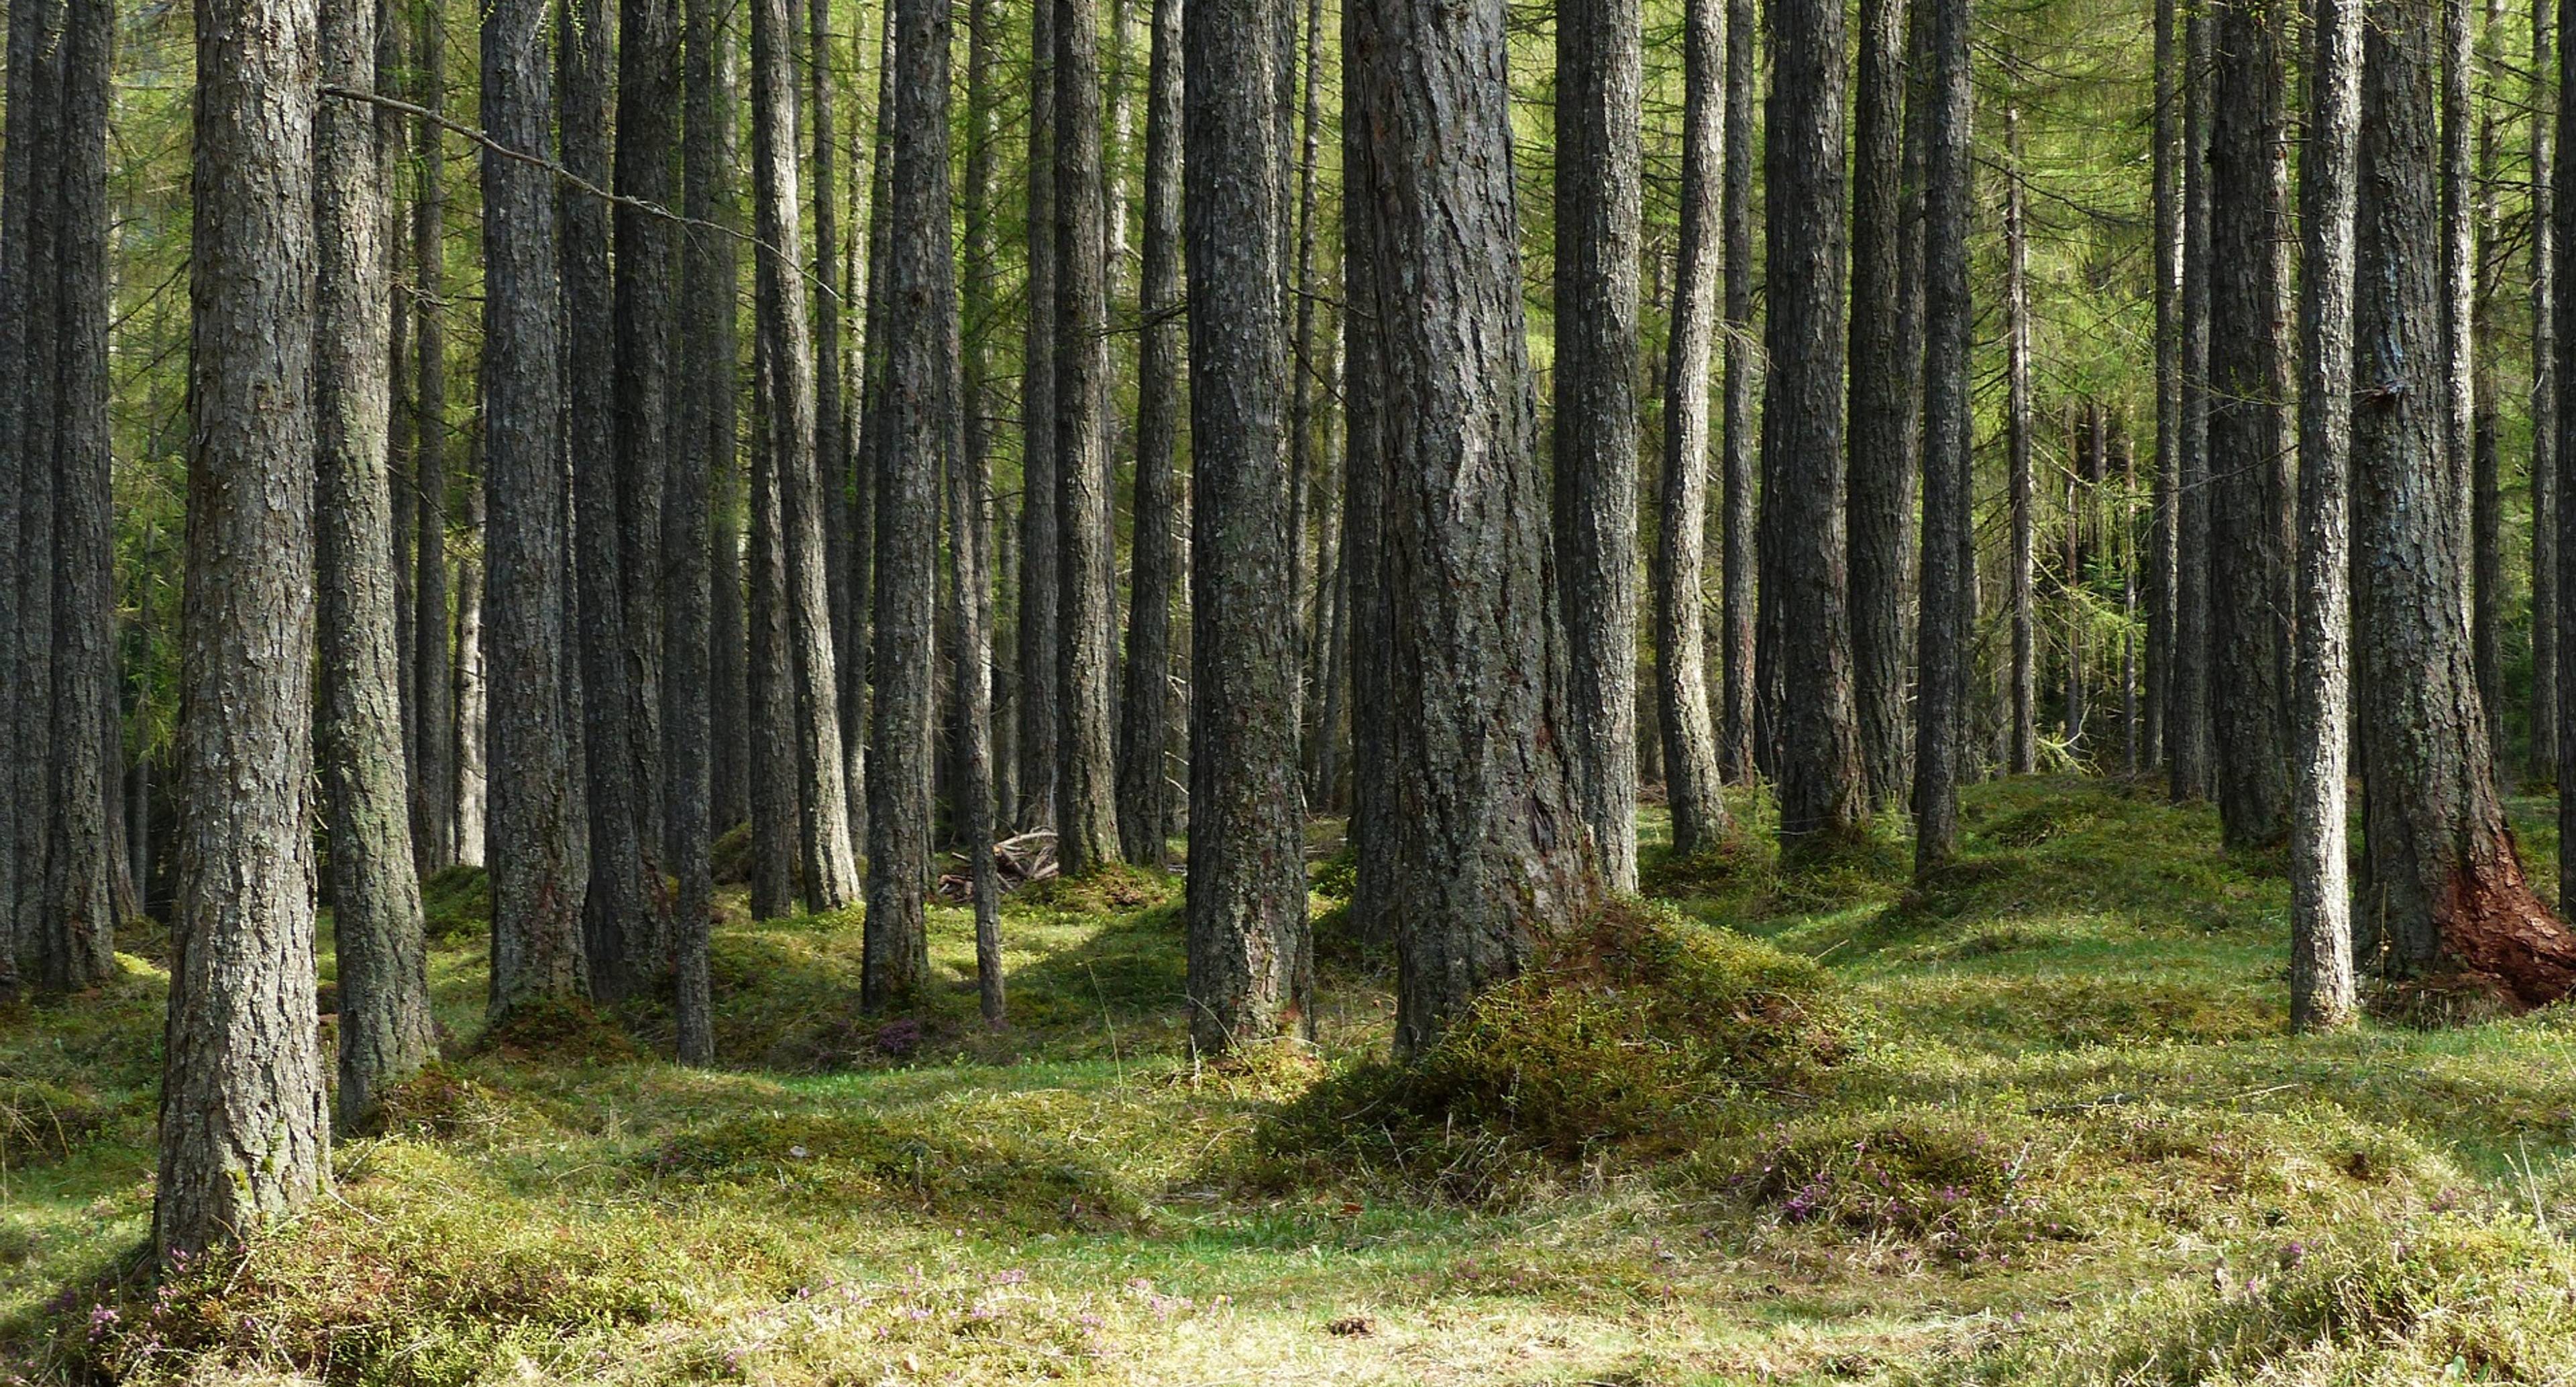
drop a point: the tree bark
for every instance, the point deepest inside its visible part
(433, 809)
(1251, 975)
(537, 952)
(2163, 526)
(1041, 563)
(2187, 712)
(1145, 722)
(2544, 396)
(2322, 994)
(1086, 771)
(1365, 488)
(1947, 631)
(472, 779)
(1599, 76)
(970, 506)
(34, 229)
(2446, 896)
(2023, 756)
(1884, 385)
(1735, 541)
(384, 1028)
(1681, 652)
(244, 1132)
(647, 327)
(25, 301)
(1487, 856)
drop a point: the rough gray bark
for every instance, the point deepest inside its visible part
(537, 953)
(831, 875)
(970, 506)
(728, 617)
(2249, 472)
(245, 1136)
(867, 443)
(1946, 630)
(375, 888)
(1681, 652)
(1880, 476)
(647, 326)
(1599, 75)
(33, 231)
(30, 102)
(920, 267)
(433, 808)
(1250, 967)
(1086, 772)
(2187, 719)
(1364, 492)
(2542, 97)
(617, 909)
(1487, 855)
(844, 572)
(1145, 714)
(1822, 797)
(1735, 529)
(1040, 560)
(2446, 900)
(1301, 362)
(2322, 992)
(2023, 755)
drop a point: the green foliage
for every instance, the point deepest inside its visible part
(456, 904)
(1112, 888)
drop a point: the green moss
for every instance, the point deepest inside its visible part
(456, 904)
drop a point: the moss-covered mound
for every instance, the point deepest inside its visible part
(1638, 1036)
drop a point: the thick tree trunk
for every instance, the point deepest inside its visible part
(1822, 796)
(617, 911)
(2187, 693)
(1883, 403)
(647, 326)
(1681, 653)
(1145, 721)
(775, 790)
(537, 952)
(375, 888)
(1086, 770)
(1486, 855)
(34, 85)
(2249, 462)
(1599, 73)
(433, 811)
(245, 1137)
(2322, 993)
(1251, 975)
(2446, 898)
(831, 875)
(1041, 563)
(2023, 756)
(1735, 527)
(34, 215)
(918, 275)
(1364, 495)
(1947, 631)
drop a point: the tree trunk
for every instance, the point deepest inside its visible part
(1301, 366)
(775, 790)
(245, 1136)
(1251, 975)
(2486, 513)
(1883, 402)
(1365, 488)
(1086, 771)
(2321, 972)
(1599, 74)
(35, 230)
(537, 941)
(1041, 564)
(472, 780)
(1822, 797)
(2023, 756)
(840, 472)
(1947, 633)
(647, 328)
(2187, 713)
(831, 878)
(433, 809)
(2163, 527)
(970, 506)
(1145, 732)
(2544, 398)
(918, 273)
(2446, 895)
(1486, 857)
(1735, 526)
(1681, 654)
(33, 86)
(2249, 480)
(375, 888)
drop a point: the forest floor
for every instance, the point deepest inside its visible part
(2070, 1143)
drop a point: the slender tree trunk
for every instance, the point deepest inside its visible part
(1735, 526)
(1301, 366)
(375, 889)
(2544, 397)
(2446, 898)
(2486, 505)
(1251, 975)
(2187, 712)
(2249, 483)
(472, 780)
(1599, 74)
(845, 575)
(869, 438)
(2023, 757)
(537, 952)
(35, 214)
(2163, 527)
(970, 507)
(33, 87)
(775, 789)
(245, 1136)
(647, 326)
(1041, 564)
(433, 810)
(1947, 631)
(1883, 402)
(728, 610)
(1487, 857)
(2321, 973)
(1681, 655)
(1086, 771)
(831, 878)
(1365, 490)
(1145, 723)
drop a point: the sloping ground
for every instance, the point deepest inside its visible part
(2067, 1143)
